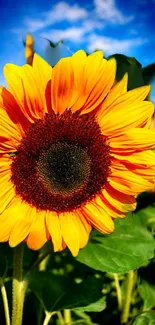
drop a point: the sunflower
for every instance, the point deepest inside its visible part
(75, 150)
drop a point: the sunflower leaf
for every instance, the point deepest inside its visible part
(132, 67)
(147, 318)
(127, 248)
(147, 292)
(61, 292)
(148, 73)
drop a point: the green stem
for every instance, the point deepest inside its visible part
(67, 316)
(19, 285)
(128, 295)
(5, 302)
(47, 317)
(42, 267)
(118, 290)
(61, 320)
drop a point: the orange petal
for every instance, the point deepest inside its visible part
(53, 226)
(128, 182)
(141, 163)
(118, 200)
(9, 104)
(38, 233)
(26, 91)
(94, 76)
(98, 217)
(64, 92)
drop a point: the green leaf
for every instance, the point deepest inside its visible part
(147, 216)
(95, 306)
(61, 292)
(132, 67)
(85, 319)
(148, 73)
(147, 318)
(147, 292)
(127, 248)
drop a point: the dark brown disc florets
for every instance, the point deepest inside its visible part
(62, 163)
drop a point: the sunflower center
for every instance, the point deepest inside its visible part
(62, 163)
(64, 168)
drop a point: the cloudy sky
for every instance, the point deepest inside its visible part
(115, 26)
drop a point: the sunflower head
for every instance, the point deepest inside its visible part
(75, 150)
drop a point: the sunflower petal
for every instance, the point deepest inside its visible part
(120, 118)
(132, 140)
(28, 96)
(122, 202)
(127, 182)
(64, 92)
(38, 233)
(53, 226)
(98, 217)
(23, 226)
(70, 231)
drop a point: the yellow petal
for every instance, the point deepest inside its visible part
(98, 217)
(70, 231)
(132, 140)
(43, 74)
(99, 84)
(22, 227)
(53, 226)
(128, 182)
(7, 191)
(84, 228)
(120, 117)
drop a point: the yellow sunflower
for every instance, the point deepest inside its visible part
(74, 152)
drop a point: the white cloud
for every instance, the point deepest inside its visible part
(107, 10)
(111, 45)
(74, 34)
(60, 12)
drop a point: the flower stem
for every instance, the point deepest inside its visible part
(128, 295)
(61, 320)
(5, 303)
(67, 316)
(118, 290)
(19, 285)
(47, 317)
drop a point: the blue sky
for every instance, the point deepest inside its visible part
(115, 26)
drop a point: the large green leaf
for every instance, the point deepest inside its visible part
(147, 292)
(147, 318)
(148, 73)
(127, 248)
(132, 67)
(61, 292)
